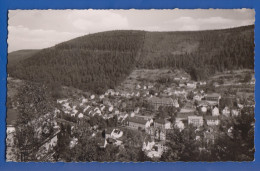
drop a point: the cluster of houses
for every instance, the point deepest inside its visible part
(200, 111)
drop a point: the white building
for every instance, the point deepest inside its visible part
(195, 120)
(192, 85)
(180, 125)
(234, 112)
(212, 120)
(215, 111)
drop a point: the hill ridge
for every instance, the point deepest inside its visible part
(99, 61)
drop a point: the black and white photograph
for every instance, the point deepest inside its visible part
(130, 85)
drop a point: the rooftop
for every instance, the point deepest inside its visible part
(136, 119)
(184, 115)
(203, 103)
(186, 110)
(161, 121)
(161, 100)
(213, 95)
(211, 117)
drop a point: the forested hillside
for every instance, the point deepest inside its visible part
(99, 61)
(200, 53)
(19, 55)
(93, 62)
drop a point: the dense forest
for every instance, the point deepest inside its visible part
(19, 55)
(99, 61)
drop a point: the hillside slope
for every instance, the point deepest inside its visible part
(214, 50)
(19, 55)
(99, 61)
(94, 62)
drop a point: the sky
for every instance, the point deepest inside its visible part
(37, 29)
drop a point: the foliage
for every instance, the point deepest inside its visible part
(100, 61)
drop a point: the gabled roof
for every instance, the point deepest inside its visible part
(188, 106)
(211, 117)
(203, 103)
(161, 121)
(186, 110)
(184, 115)
(213, 95)
(161, 100)
(138, 120)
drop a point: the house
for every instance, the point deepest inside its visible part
(198, 97)
(150, 86)
(86, 108)
(137, 110)
(203, 105)
(11, 117)
(103, 107)
(189, 106)
(196, 121)
(83, 101)
(110, 109)
(80, 116)
(148, 144)
(113, 133)
(213, 98)
(156, 102)
(182, 84)
(240, 106)
(191, 84)
(116, 133)
(160, 134)
(182, 117)
(110, 92)
(202, 83)
(73, 142)
(137, 123)
(234, 112)
(117, 112)
(252, 82)
(92, 97)
(215, 111)
(212, 120)
(184, 78)
(187, 111)
(180, 125)
(226, 111)
(177, 78)
(157, 150)
(180, 92)
(162, 124)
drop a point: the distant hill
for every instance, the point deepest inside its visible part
(19, 55)
(99, 61)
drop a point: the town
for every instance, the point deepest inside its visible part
(142, 114)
